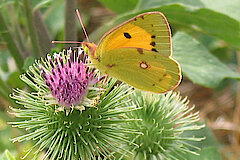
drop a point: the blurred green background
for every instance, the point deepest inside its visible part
(206, 42)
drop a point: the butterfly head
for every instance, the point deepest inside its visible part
(91, 46)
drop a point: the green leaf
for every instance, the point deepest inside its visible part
(119, 6)
(54, 17)
(230, 8)
(187, 17)
(4, 55)
(198, 64)
(7, 156)
(28, 62)
(209, 141)
(209, 146)
(196, 16)
(12, 45)
(6, 132)
(6, 3)
(41, 4)
(143, 4)
(205, 154)
(204, 20)
(14, 80)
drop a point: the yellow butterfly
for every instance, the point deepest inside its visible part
(138, 52)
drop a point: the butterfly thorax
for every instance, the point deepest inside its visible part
(94, 55)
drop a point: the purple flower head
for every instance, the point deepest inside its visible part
(69, 77)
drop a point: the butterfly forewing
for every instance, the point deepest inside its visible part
(149, 31)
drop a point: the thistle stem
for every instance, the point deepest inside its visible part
(70, 21)
(14, 11)
(32, 30)
(43, 33)
(12, 45)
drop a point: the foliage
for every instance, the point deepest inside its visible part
(7, 156)
(205, 42)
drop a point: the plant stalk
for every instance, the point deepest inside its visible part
(32, 30)
(11, 43)
(14, 11)
(70, 22)
(45, 39)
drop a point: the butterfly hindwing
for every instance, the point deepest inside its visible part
(149, 31)
(142, 69)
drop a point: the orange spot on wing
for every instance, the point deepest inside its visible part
(144, 65)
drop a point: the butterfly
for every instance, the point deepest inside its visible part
(138, 52)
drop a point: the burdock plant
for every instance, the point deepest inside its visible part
(165, 117)
(72, 112)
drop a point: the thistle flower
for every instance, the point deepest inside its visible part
(91, 128)
(69, 82)
(164, 118)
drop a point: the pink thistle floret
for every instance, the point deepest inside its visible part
(69, 81)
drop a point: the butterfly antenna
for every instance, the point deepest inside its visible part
(84, 30)
(66, 42)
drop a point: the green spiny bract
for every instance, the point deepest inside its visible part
(90, 130)
(164, 118)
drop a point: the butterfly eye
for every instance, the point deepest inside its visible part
(127, 35)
